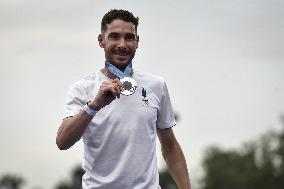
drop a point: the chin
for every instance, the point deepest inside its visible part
(121, 63)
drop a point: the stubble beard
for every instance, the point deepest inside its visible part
(123, 65)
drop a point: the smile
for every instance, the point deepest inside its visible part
(121, 53)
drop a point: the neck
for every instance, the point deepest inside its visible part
(120, 73)
(120, 67)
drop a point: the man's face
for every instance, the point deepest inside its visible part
(120, 42)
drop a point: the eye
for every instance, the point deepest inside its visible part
(113, 36)
(129, 37)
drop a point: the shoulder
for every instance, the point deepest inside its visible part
(87, 82)
(149, 79)
(153, 82)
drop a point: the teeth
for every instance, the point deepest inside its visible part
(121, 53)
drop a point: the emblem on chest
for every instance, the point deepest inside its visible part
(145, 100)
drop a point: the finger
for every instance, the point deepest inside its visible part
(115, 80)
(106, 87)
(117, 90)
(118, 82)
(111, 87)
(115, 83)
(114, 92)
(114, 89)
(106, 83)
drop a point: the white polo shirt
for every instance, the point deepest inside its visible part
(120, 141)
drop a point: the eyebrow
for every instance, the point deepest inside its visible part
(113, 33)
(118, 34)
(130, 34)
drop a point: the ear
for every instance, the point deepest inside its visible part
(101, 40)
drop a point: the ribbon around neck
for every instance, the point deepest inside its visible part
(117, 72)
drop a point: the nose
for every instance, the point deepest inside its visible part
(122, 43)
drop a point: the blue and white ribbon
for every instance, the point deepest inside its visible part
(129, 85)
(117, 72)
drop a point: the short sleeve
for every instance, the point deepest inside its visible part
(76, 99)
(166, 118)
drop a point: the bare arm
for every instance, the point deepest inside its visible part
(174, 158)
(73, 128)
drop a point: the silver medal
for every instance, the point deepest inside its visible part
(129, 86)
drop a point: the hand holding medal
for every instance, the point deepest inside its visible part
(110, 90)
(129, 85)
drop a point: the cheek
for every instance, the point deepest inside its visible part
(133, 46)
(108, 48)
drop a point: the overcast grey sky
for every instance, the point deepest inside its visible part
(223, 62)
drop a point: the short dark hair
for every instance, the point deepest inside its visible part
(118, 14)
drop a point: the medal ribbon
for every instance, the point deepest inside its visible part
(118, 73)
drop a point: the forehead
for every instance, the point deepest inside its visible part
(120, 26)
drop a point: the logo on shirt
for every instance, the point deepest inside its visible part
(145, 100)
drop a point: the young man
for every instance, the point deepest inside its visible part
(118, 112)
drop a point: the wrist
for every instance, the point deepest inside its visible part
(93, 105)
(89, 111)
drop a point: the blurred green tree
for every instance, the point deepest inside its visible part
(258, 164)
(75, 181)
(11, 182)
(166, 181)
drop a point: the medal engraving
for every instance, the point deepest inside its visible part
(129, 86)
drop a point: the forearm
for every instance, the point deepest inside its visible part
(72, 129)
(177, 167)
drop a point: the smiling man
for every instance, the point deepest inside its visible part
(118, 112)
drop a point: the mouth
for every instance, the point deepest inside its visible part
(121, 53)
